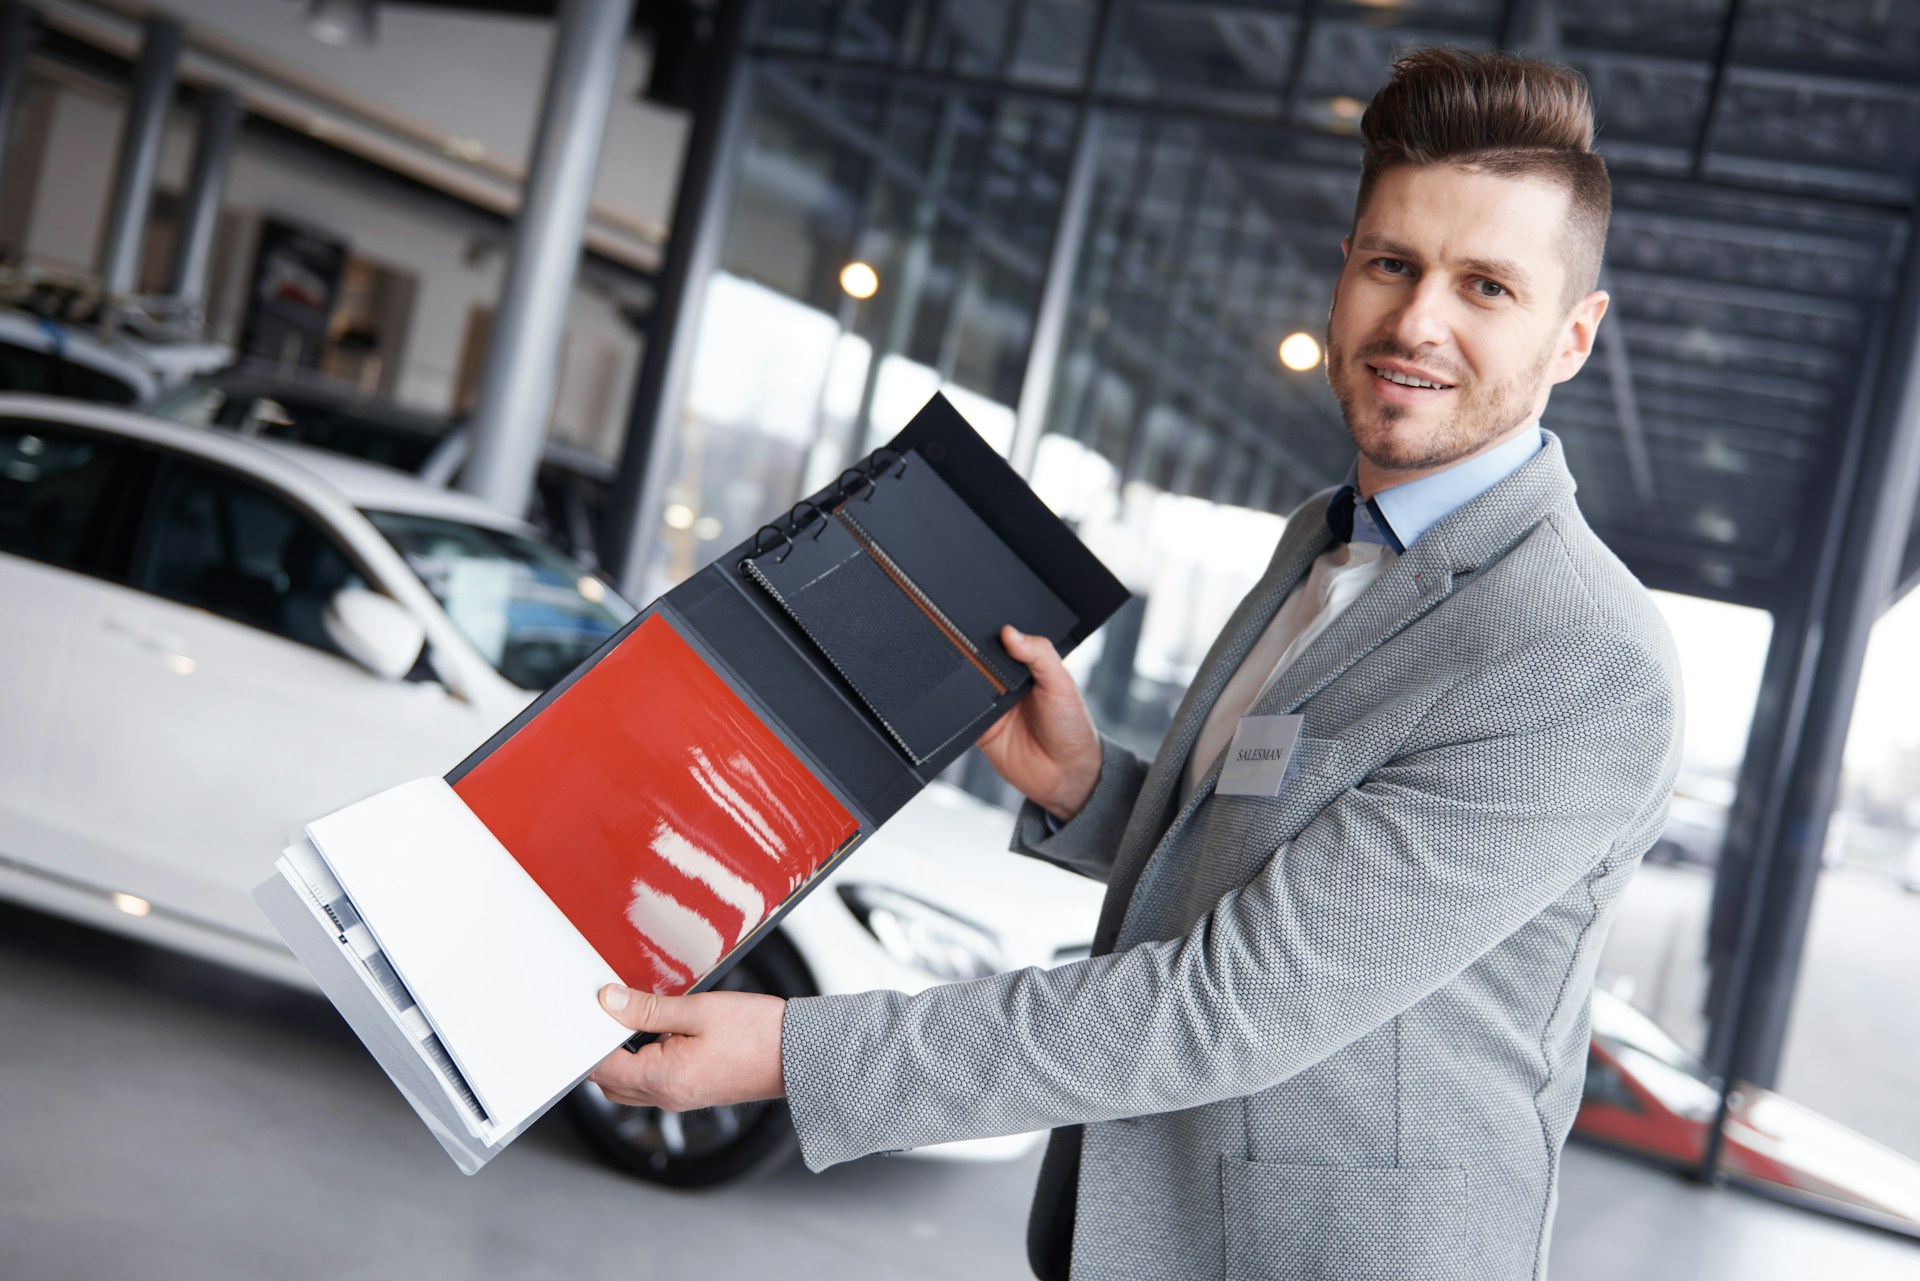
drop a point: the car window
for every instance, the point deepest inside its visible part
(1605, 1085)
(533, 613)
(223, 544)
(51, 374)
(361, 431)
(357, 433)
(58, 492)
(194, 404)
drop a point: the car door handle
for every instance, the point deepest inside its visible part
(144, 636)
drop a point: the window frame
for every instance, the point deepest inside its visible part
(165, 464)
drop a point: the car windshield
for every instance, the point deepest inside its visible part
(533, 613)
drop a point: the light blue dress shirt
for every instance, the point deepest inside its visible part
(1410, 510)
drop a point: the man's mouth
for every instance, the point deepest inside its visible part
(1408, 380)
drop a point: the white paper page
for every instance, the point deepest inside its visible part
(302, 866)
(306, 931)
(504, 978)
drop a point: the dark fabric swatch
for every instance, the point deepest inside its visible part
(919, 684)
(947, 551)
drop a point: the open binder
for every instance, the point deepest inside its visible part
(653, 815)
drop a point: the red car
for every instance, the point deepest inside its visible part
(1645, 1092)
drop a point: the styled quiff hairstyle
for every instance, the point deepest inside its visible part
(1498, 114)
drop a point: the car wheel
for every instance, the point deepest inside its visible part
(711, 1145)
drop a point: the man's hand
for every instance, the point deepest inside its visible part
(719, 1048)
(1045, 746)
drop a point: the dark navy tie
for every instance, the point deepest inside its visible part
(1340, 519)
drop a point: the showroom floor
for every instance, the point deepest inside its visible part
(169, 1120)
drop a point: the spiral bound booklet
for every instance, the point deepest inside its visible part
(656, 813)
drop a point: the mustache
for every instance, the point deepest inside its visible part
(1386, 350)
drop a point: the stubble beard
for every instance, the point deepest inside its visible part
(1483, 414)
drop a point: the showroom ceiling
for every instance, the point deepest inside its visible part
(1764, 155)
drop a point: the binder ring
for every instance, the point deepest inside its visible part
(799, 522)
(899, 462)
(846, 490)
(759, 551)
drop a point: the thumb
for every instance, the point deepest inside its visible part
(648, 1011)
(1039, 655)
(1036, 652)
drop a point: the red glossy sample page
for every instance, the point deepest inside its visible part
(657, 811)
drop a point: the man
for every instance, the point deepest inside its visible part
(1336, 1022)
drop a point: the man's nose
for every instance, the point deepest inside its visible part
(1421, 320)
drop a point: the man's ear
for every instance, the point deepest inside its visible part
(1582, 331)
(1346, 247)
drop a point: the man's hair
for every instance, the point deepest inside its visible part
(1498, 114)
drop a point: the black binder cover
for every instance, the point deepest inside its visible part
(768, 659)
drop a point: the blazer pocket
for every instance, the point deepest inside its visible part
(1313, 1223)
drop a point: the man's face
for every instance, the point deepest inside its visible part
(1457, 280)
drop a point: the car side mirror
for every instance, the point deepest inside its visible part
(375, 631)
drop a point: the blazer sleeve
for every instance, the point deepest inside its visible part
(1086, 843)
(1541, 769)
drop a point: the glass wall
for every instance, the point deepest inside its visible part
(947, 200)
(1647, 1086)
(1844, 1124)
(901, 211)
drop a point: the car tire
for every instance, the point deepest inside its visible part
(711, 1146)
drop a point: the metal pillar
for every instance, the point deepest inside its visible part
(902, 300)
(1530, 26)
(1872, 508)
(707, 177)
(1056, 291)
(18, 32)
(140, 140)
(1230, 477)
(523, 351)
(1626, 402)
(200, 207)
(1264, 485)
(831, 453)
(1179, 251)
(1063, 258)
(1716, 91)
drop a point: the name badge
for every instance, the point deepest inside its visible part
(1260, 755)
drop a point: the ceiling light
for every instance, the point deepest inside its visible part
(1716, 525)
(1300, 352)
(1348, 109)
(678, 516)
(132, 904)
(344, 23)
(859, 280)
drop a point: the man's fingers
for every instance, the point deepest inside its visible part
(1037, 653)
(637, 1080)
(647, 1012)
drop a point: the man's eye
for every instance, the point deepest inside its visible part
(1392, 266)
(1490, 289)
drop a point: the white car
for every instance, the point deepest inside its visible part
(51, 357)
(207, 641)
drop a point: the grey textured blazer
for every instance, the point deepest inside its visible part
(1338, 1034)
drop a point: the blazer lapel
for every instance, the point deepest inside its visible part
(1419, 580)
(1476, 535)
(1305, 538)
